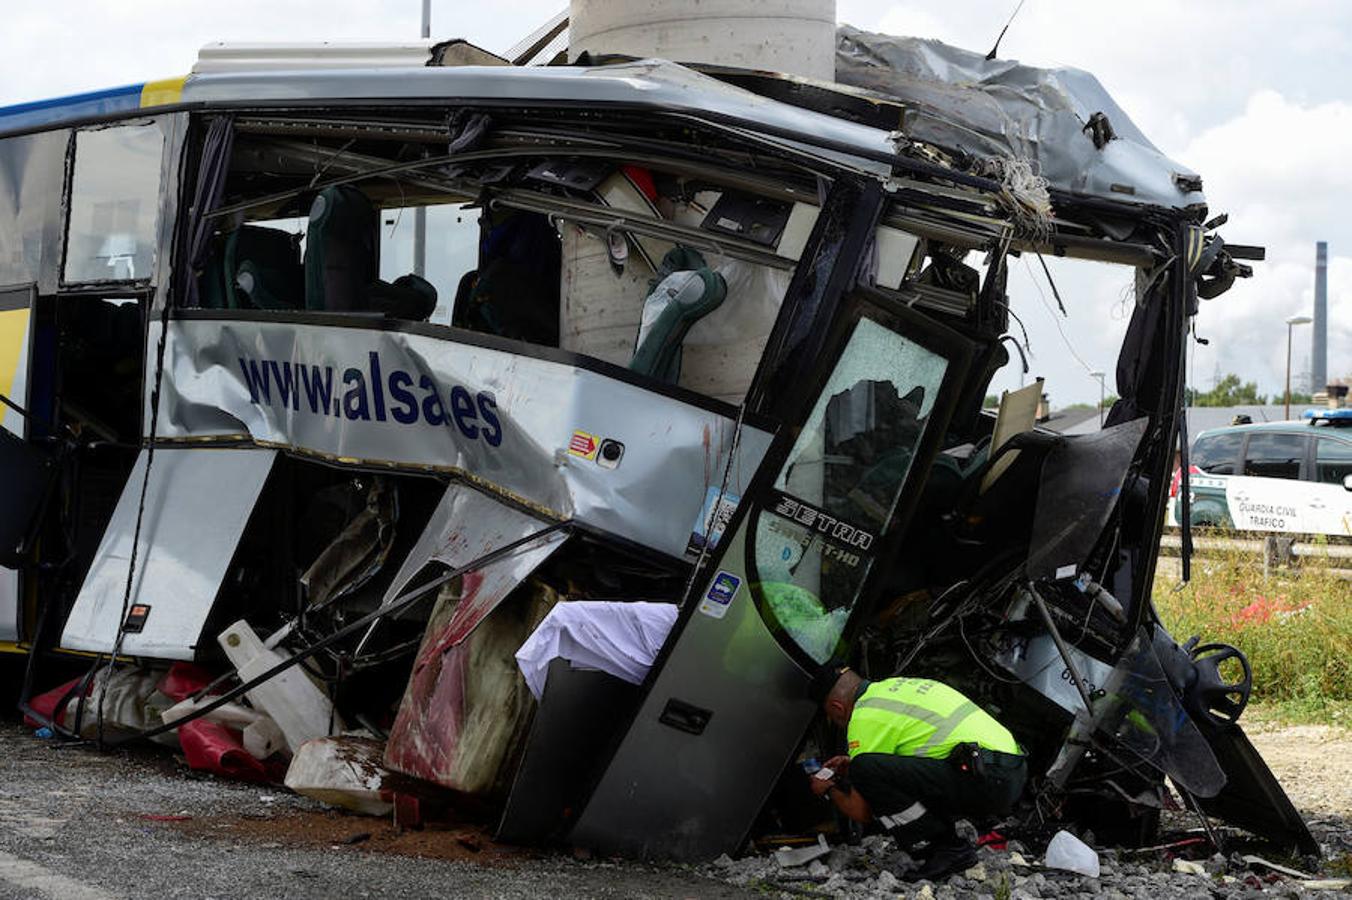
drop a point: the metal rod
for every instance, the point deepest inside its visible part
(1062, 649)
(420, 214)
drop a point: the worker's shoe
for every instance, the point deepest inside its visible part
(945, 858)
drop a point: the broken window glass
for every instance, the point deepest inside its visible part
(840, 484)
(114, 204)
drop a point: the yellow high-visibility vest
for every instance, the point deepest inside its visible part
(919, 717)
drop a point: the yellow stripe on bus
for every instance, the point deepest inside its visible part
(13, 338)
(165, 92)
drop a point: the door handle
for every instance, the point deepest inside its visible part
(685, 717)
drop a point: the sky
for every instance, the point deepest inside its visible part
(1255, 96)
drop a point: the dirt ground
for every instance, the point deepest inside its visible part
(1313, 763)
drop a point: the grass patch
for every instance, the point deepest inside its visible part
(1295, 626)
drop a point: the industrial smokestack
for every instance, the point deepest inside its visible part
(1319, 352)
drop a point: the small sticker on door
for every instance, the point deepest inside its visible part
(720, 595)
(583, 444)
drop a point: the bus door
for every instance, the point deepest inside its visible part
(728, 706)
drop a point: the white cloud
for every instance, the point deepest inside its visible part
(1280, 170)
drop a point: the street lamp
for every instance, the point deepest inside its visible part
(420, 213)
(1102, 393)
(1291, 322)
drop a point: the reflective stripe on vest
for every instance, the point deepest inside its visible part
(943, 725)
(922, 718)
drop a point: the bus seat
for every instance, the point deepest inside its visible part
(684, 291)
(262, 267)
(409, 297)
(340, 250)
(515, 290)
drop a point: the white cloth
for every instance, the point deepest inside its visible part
(621, 639)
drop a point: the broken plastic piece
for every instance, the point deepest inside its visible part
(342, 771)
(262, 738)
(300, 709)
(788, 857)
(1068, 852)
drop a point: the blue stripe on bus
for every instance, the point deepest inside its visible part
(76, 106)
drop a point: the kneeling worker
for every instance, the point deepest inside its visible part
(921, 756)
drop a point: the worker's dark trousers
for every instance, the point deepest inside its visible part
(917, 799)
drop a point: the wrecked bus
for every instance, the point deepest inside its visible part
(700, 340)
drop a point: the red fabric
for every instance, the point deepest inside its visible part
(993, 839)
(643, 180)
(46, 704)
(212, 747)
(183, 680)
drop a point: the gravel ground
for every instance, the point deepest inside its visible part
(1313, 763)
(79, 824)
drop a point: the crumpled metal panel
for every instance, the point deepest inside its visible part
(960, 100)
(466, 525)
(648, 83)
(528, 426)
(197, 505)
(465, 700)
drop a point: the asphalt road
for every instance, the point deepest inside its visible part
(76, 824)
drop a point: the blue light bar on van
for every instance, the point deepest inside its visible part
(1332, 416)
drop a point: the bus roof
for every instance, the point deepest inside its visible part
(644, 84)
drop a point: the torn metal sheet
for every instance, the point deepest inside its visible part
(197, 504)
(465, 525)
(454, 685)
(529, 425)
(1054, 118)
(466, 705)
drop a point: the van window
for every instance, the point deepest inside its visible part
(1332, 460)
(114, 204)
(1217, 453)
(1274, 455)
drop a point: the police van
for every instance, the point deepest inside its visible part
(1289, 477)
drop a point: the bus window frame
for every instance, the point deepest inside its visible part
(929, 333)
(172, 128)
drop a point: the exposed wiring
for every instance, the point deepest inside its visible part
(1042, 296)
(962, 632)
(330, 161)
(1055, 293)
(140, 517)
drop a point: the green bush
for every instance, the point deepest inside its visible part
(1295, 626)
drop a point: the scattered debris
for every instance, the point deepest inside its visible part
(790, 857)
(343, 771)
(1071, 854)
